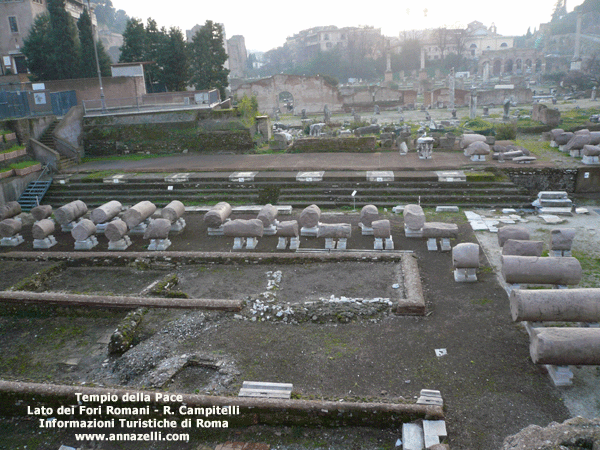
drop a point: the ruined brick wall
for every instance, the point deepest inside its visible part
(365, 144)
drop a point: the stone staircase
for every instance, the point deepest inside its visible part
(47, 139)
(283, 189)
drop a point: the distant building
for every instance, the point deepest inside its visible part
(238, 56)
(16, 18)
(307, 43)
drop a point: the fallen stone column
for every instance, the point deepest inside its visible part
(414, 219)
(138, 213)
(560, 305)
(381, 228)
(465, 260)
(288, 232)
(368, 214)
(517, 247)
(565, 346)
(382, 232)
(335, 230)
(440, 230)
(243, 228)
(267, 215)
(173, 211)
(310, 216)
(158, 229)
(42, 234)
(116, 232)
(561, 241)
(42, 229)
(83, 230)
(158, 233)
(288, 229)
(70, 212)
(41, 212)
(11, 209)
(10, 227)
(534, 270)
(468, 139)
(106, 212)
(217, 215)
(512, 232)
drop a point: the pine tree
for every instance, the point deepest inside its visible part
(134, 42)
(88, 55)
(207, 58)
(63, 38)
(38, 48)
(155, 42)
(173, 60)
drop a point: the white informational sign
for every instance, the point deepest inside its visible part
(39, 98)
(38, 86)
(7, 61)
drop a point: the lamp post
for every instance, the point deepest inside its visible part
(102, 100)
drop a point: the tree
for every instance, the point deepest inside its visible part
(88, 54)
(64, 58)
(173, 58)
(207, 58)
(155, 42)
(442, 38)
(37, 48)
(560, 10)
(134, 42)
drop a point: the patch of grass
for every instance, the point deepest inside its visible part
(99, 175)
(129, 157)
(590, 264)
(23, 165)
(481, 301)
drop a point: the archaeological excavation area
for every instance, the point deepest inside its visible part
(351, 341)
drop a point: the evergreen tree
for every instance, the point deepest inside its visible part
(134, 42)
(63, 38)
(88, 55)
(155, 42)
(173, 60)
(207, 58)
(38, 48)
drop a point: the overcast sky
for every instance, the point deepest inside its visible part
(266, 24)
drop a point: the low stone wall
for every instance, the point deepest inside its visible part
(17, 396)
(165, 132)
(366, 144)
(11, 190)
(549, 179)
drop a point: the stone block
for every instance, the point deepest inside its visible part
(12, 241)
(432, 245)
(389, 244)
(465, 275)
(120, 244)
(159, 244)
(47, 242)
(414, 217)
(522, 248)
(86, 244)
(512, 232)
(412, 437)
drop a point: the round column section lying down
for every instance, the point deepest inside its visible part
(534, 270)
(566, 346)
(561, 305)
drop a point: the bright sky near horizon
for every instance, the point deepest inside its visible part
(266, 24)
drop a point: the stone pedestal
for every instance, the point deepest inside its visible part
(309, 232)
(445, 245)
(432, 245)
(478, 158)
(251, 243)
(465, 275)
(12, 241)
(294, 243)
(270, 230)
(45, 243)
(560, 253)
(590, 160)
(366, 231)
(140, 228)
(178, 225)
(238, 243)
(329, 243)
(68, 227)
(412, 233)
(215, 231)
(560, 375)
(86, 244)
(341, 243)
(159, 244)
(389, 244)
(575, 153)
(120, 245)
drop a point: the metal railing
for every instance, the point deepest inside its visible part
(148, 102)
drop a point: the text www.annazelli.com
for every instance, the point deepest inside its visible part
(133, 437)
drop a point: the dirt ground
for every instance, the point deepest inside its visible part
(489, 385)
